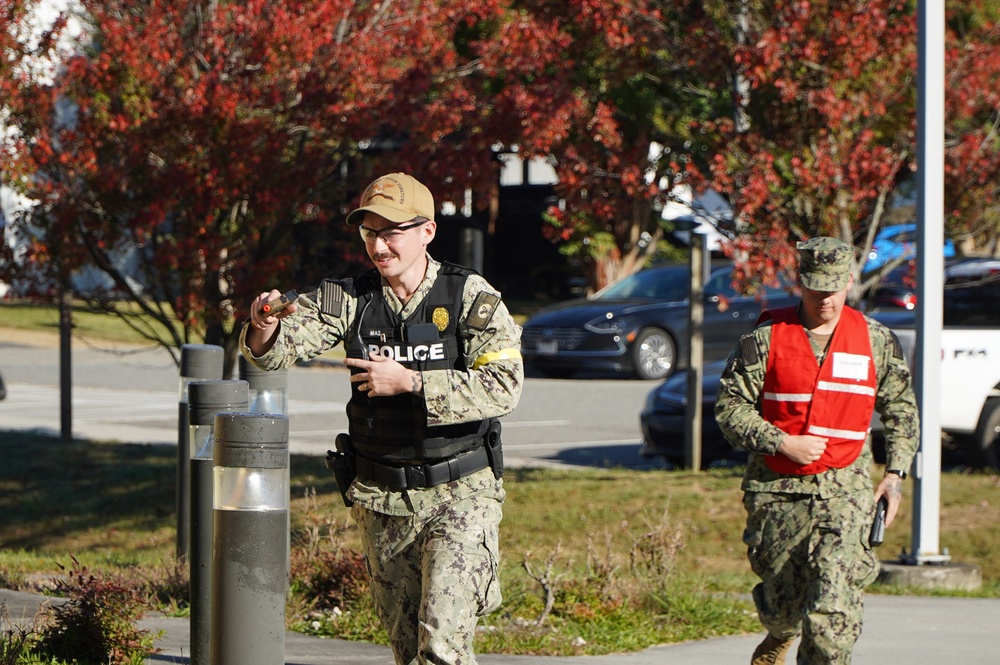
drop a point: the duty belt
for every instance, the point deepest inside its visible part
(429, 474)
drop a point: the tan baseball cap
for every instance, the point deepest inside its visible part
(825, 264)
(398, 197)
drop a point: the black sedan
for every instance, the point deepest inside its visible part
(663, 420)
(639, 326)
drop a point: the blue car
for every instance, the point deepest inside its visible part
(663, 420)
(897, 242)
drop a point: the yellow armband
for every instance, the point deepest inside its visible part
(502, 354)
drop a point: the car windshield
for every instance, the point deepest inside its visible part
(674, 284)
(652, 284)
(721, 286)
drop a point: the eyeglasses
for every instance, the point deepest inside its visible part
(389, 235)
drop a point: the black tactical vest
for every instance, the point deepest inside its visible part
(394, 429)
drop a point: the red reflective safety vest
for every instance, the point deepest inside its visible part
(835, 399)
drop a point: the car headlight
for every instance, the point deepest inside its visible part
(609, 323)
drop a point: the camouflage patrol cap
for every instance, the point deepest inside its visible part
(825, 264)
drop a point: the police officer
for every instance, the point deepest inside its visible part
(435, 360)
(798, 393)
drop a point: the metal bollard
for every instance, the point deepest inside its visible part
(268, 394)
(205, 400)
(268, 389)
(198, 361)
(250, 554)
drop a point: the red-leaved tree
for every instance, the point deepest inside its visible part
(972, 136)
(803, 114)
(631, 138)
(196, 153)
(829, 97)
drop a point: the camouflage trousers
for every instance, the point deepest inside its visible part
(433, 575)
(814, 562)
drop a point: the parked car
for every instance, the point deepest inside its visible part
(895, 290)
(972, 271)
(663, 420)
(895, 242)
(638, 326)
(970, 357)
(898, 290)
(971, 297)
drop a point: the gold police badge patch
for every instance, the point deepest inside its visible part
(440, 318)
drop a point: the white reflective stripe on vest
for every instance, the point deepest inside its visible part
(789, 397)
(850, 435)
(846, 388)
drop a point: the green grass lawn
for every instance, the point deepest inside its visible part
(640, 557)
(25, 315)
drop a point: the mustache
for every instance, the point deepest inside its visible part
(383, 255)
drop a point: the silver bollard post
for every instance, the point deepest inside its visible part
(268, 389)
(205, 400)
(250, 555)
(198, 361)
(268, 394)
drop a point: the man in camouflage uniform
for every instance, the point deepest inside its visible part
(798, 393)
(435, 360)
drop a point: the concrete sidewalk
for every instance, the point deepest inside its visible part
(913, 629)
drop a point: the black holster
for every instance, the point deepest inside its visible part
(494, 449)
(343, 464)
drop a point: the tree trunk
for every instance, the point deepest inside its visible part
(216, 334)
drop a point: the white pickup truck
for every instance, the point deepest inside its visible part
(970, 357)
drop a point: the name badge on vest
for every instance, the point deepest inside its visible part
(850, 366)
(421, 332)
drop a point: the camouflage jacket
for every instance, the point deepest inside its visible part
(490, 388)
(738, 412)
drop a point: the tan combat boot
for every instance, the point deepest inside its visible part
(771, 651)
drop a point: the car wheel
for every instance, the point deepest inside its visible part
(654, 354)
(983, 450)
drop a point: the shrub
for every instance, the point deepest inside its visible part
(332, 579)
(324, 572)
(97, 625)
(15, 641)
(168, 585)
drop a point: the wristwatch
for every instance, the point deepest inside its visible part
(898, 472)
